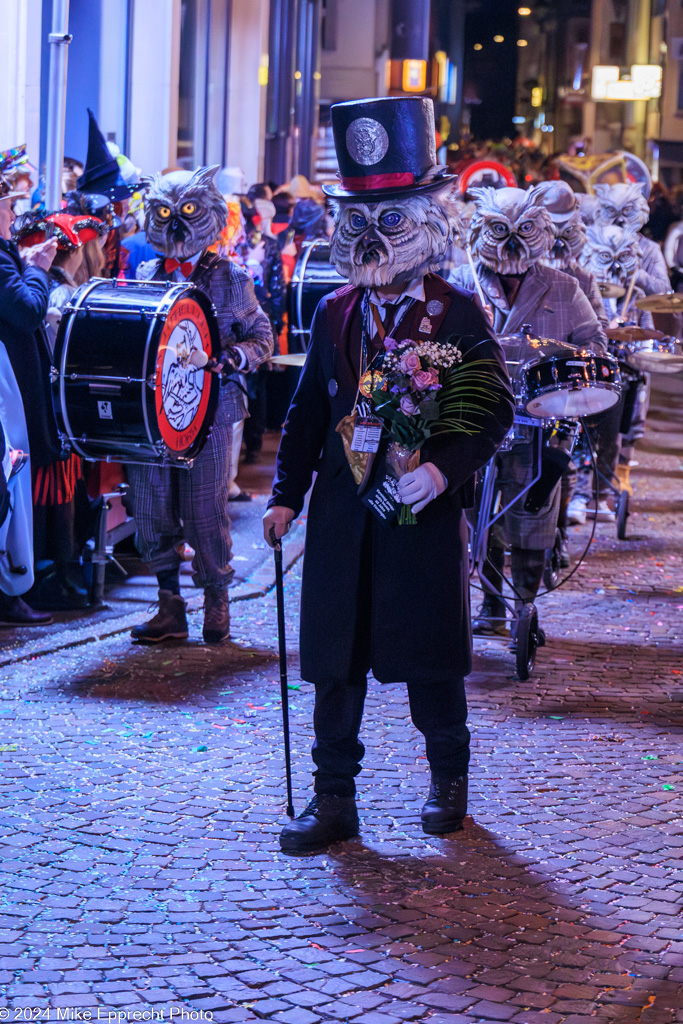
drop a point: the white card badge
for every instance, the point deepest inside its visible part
(366, 435)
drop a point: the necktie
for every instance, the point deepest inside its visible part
(171, 264)
(386, 326)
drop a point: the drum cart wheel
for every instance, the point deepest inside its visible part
(551, 571)
(527, 641)
(622, 514)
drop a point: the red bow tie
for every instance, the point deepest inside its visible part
(171, 264)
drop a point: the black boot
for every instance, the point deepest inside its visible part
(491, 618)
(446, 805)
(169, 623)
(327, 819)
(216, 627)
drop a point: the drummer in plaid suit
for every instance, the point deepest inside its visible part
(509, 233)
(184, 214)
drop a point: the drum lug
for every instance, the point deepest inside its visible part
(54, 374)
(151, 382)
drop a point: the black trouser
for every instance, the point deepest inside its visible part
(438, 711)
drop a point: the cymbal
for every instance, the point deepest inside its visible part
(299, 358)
(611, 291)
(633, 333)
(671, 302)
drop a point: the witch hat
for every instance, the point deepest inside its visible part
(102, 173)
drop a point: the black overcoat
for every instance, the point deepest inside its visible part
(24, 295)
(391, 599)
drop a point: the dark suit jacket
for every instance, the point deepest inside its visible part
(23, 304)
(391, 599)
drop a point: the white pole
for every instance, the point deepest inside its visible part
(59, 40)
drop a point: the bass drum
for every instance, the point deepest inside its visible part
(314, 277)
(125, 386)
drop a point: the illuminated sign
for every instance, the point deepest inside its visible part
(414, 75)
(644, 83)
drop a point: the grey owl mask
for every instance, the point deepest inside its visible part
(393, 240)
(510, 229)
(184, 211)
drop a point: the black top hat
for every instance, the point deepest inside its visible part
(102, 173)
(385, 147)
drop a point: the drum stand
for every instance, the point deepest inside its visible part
(622, 497)
(525, 621)
(103, 553)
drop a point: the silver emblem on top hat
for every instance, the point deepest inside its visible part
(367, 141)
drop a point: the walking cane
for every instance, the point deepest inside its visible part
(280, 595)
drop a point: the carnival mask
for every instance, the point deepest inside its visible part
(568, 229)
(184, 211)
(394, 240)
(510, 229)
(625, 206)
(612, 254)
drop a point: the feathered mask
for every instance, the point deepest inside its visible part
(184, 211)
(393, 240)
(510, 229)
(622, 205)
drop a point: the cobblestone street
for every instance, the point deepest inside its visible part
(143, 793)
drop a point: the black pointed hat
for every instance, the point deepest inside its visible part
(385, 147)
(102, 173)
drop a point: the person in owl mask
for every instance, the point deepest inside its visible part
(569, 239)
(393, 600)
(184, 214)
(625, 206)
(614, 256)
(511, 233)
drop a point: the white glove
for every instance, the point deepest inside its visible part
(422, 486)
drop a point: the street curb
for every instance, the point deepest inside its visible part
(259, 584)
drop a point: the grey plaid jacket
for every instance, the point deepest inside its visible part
(551, 302)
(231, 290)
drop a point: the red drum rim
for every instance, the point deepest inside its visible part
(182, 403)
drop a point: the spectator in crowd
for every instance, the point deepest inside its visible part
(264, 262)
(24, 290)
(54, 486)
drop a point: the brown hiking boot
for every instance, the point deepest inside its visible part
(169, 623)
(216, 615)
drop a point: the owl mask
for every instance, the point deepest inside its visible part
(184, 211)
(612, 254)
(569, 231)
(393, 240)
(622, 205)
(510, 229)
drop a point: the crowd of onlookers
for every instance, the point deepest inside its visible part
(44, 257)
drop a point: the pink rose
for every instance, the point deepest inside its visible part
(390, 345)
(410, 362)
(408, 406)
(421, 380)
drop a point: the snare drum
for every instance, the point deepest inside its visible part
(554, 379)
(125, 387)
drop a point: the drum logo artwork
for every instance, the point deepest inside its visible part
(182, 390)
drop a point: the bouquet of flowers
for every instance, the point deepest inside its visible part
(420, 390)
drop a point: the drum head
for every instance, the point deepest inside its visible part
(656, 362)
(572, 403)
(183, 392)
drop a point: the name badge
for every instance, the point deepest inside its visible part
(367, 434)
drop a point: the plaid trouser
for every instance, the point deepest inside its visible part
(173, 505)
